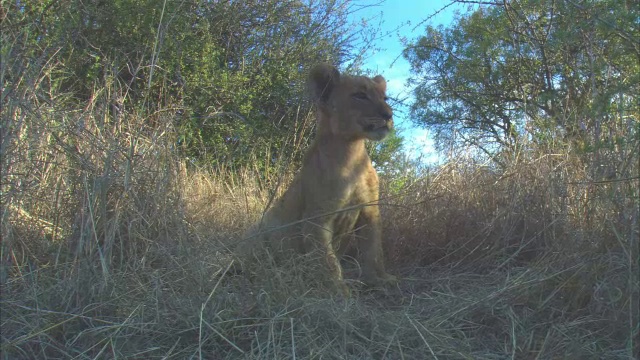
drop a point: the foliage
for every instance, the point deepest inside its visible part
(558, 71)
(384, 152)
(233, 73)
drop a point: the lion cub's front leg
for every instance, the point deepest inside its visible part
(318, 235)
(369, 237)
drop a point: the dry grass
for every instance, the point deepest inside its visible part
(113, 248)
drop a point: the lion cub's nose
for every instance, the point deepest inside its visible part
(386, 115)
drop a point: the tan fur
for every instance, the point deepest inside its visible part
(336, 191)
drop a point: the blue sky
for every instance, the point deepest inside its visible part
(401, 18)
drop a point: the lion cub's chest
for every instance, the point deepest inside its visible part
(353, 186)
(360, 189)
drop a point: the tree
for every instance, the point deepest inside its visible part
(547, 70)
(231, 75)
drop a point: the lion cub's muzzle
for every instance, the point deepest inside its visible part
(380, 128)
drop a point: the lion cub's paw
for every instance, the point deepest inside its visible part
(388, 279)
(380, 281)
(344, 291)
(341, 289)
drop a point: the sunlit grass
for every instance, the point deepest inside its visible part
(114, 247)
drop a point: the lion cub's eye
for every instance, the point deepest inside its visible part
(360, 96)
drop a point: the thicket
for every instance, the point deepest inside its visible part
(140, 139)
(232, 75)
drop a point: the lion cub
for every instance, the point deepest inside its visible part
(336, 191)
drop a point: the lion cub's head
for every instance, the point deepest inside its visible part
(351, 106)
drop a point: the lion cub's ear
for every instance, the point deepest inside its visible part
(323, 79)
(382, 83)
